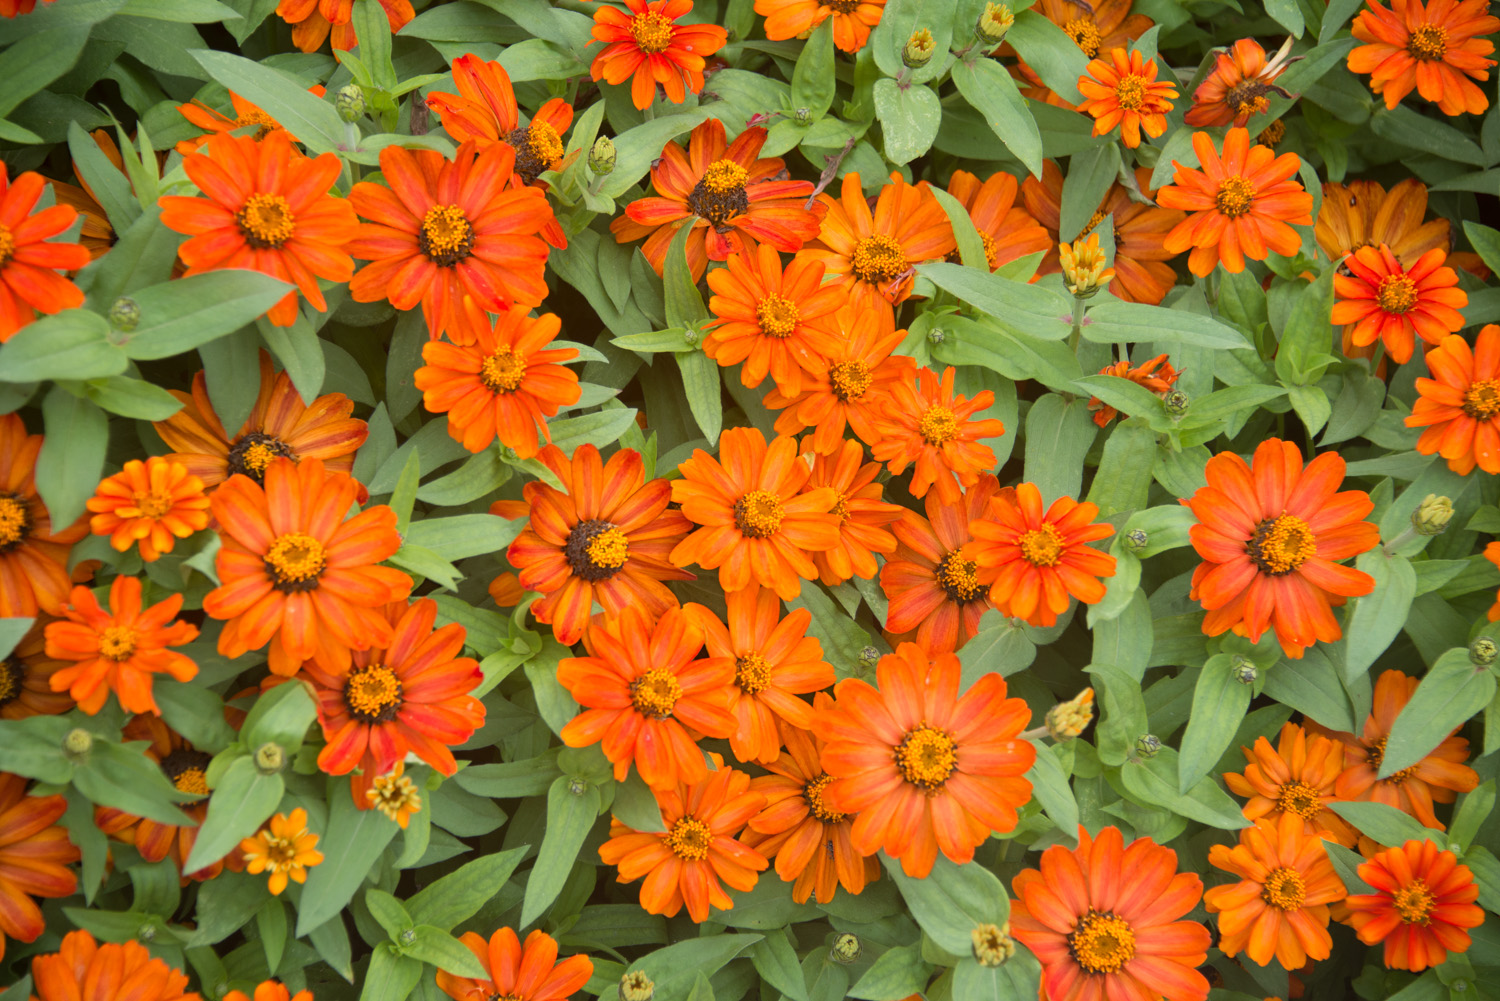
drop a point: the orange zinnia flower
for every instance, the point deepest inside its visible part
(685, 863)
(1034, 561)
(84, 970)
(811, 844)
(531, 973)
(1437, 778)
(153, 503)
(648, 47)
(1297, 776)
(847, 388)
(757, 522)
(1240, 206)
(930, 427)
(119, 650)
(1363, 214)
(298, 576)
(772, 661)
(285, 847)
(1422, 907)
(607, 536)
(932, 582)
(1279, 908)
(446, 229)
(408, 696)
(863, 516)
(270, 990)
(35, 855)
(1430, 49)
(1157, 375)
(852, 19)
(1271, 535)
(214, 122)
(1382, 301)
(736, 198)
(1093, 27)
(775, 322)
(33, 557)
(503, 384)
(1460, 405)
(1102, 919)
(1007, 230)
(280, 424)
(393, 794)
(873, 254)
(26, 678)
(1237, 86)
(1124, 92)
(645, 697)
(29, 258)
(311, 21)
(926, 769)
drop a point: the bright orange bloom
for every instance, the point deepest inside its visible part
(214, 122)
(35, 855)
(1384, 302)
(29, 258)
(1094, 28)
(1237, 86)
(312, 20)
(775, 322)
(26, 678)
(410, 696)
(285, 847)
(852, 21)
(811, 844)
(1422, 907)
(863, 516)
(684, 864)
(280, 424)
(738, 199)
(772, 661)
(1271, 535)
(1279, 908)
(1363, 214)
(298, 576)
(1156, 374)
(531, 973)
(757, 522)
(1007, 230)
(84, 970)
(119, 650)
(33, 556)
(10, 8)
(504, 384)
(1240, 206)
(1437, 778)
(1102, 919)
(606, 536)
(1460, 405)
(270, 990)
(648, 47)
(153, 503)
(1297, 776)
(1428, 48)
(932, 582)
(1124, 92)
(1036, 562)
(847, 388)
(873, 254)
(925, 769)
(446, 229)
(931, 428)
(645, 697)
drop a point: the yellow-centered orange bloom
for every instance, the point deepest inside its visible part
(1422, 908)
(214, 122)
(30, 258)
(1431, 48)
(932, 429)
(852, 19)
(395, 795)
(313, 20)
(33, 555)
(1124, 91)
(1006, 229)
(646, 45)
(1383, 301)
(1237, 86)
(529, 973)
(1279, 908)
(1156, 374)
(35, 859)
(1094, 27)
(26, 678)
(863, 516)
(1459, 407)
(285, 848)
(153, 503)
(84, 970)
(925, 769)
(1297, 776)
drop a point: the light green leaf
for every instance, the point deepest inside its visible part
(180, 315)
(570, 817)
(74, 344)
(1219, 703)
(1451, 692)
(1373, 621)
(72, 457)
(313, 121)
(951, 900)
(990, 91)
(243, 800)
(909, 118)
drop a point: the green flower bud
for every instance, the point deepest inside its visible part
(936, 335)
(1432, 515)
(350, 102)
(1147, 744)
(1175, 402)
(602, 156)
(1244, 671)
(868, 658)
(145, 933)
(803, 116)
(846, 948)
(919, 49)
(78, 743)
(1136, 540)
(270, 758)
(577, 786)
(408, 936)
(124, 314)
(1482, 652)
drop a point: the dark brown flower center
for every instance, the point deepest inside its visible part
(188, 770)
(537, 146)
(596, 550)
(1428, 43)
(7, 245)
(12, 680)
(1042, 547)
(1280, 545)
(117, 643)
(253, 452)
(372, 694)
(15, 521)
(840, 6)
(1377, 758)
(720, 195)
(958, 577)
(446, 236)
(777, 316)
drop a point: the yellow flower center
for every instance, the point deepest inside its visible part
(253, 452)
(1396, 294)
(813, 794)
(1094, 220)
(446, 236)
(1414, 903)
(191, 780)
(610, 548)
(752, 673)
(937, 426)
(689, 839)
(1103, 942)
(266, 122)
(503, 371)
(958, 576)
(1085, 35)
(258, 456)
(652, 32)
(720, 194)
(7, 245)
(392, 794)
(725, 176)
(1284, 889)
(1428, 43)
(266, 221)
(153, 503)
(841, 508)
(655, 693)
(758, 514)
(840, 6)
(281, 853)
(1301, 799)
(373, 693)
(187, 770)
(777, 316)
(1257, 105)
(1377, 758)
(537, 146)
(15, 521)
(1281, 545)
(295, 561)
(926, 757)
(1482, 399)
(1272, 134)
(117, 643)
(596, 549)
(1130, 92)
(878, 259)
(1042, 547)
(850, 380)
(1236, 196)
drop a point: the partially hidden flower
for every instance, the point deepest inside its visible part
(1124, 92)
(1155, 374)
(313, 20)
(1006, 229)
(214, 122)
(285, 848)
(1382, 301)
(1459, 407)
(528, 972)
(864, 518)
(270, 990)
(853, 20)
(35, 859)
(1238, 85)
(26, 678)
(1432, 48)
(33, 554)
(395, 795)
(646, 44)
(1361, 214)
(151, 504)
(1298, 776)
(84, 970)
(1422, 908)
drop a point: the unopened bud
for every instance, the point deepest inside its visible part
(690, 336)
(1483, 651)
(577, 786)
(350, 102)
(1136, 540)
(992, 944)
(1147, 744)
(408, 936)
(1244, 671)
(846, 948)
(803, 116)
(269, 758)
(1175, 402)
(602, 156)
(636, 986)
(124, 314)
(936, 335)
(994, 23)
(77, 743)
(145, 933)
(1083, 267)
(1432, 515)
(919, 49)
(868, 658)
(1067, 720)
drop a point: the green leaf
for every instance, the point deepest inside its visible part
(1219, 703)
(1486, 242)
(1049, 784)
(990, 91)
(1115, 320)
(531, 777)
(1373, 621)
(180, 315)
(1471, 814)
(460, 536)
(1451, 692)
(553, 701)
(331, 940)
(1312, 687)
(442, 950)
(1059, 61)
(601, 428)
(110, 186)
(195, 712)
(281, 716)
(1059, 433)
(676, 968)
(1155, 781)
(909, 118)
(33, 747)
(45, 56)
(1091, 172)
(970, 243)
(300, 351)
(372, 28)
(404, 495)
(813, 80)
(1019, 978)
(12, 631)
(134, 398)
(651, 341)
(1123, 482)
(1386, 824)
(684, 302)
(700, 381)
(458, 896)
(122, 777)
(570, 817)
(388, 912)
(998, 648)
(74, 344)
(313, 121)
(1122, 713)
(186, 11)
(1346, 863)
(1287, 14)
(242, 801)
(636, 807)
(391, 977)
(354, 840)
(1306, 338)
(270, 922)
(776, 961)
(1033, 311)
(636, 148)
(1130, 398)
(896, 975)
(72, 457)
(951, 900)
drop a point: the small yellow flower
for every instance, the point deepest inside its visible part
(1083, 266)
(395, 795)
(1067, 720)
(286, 847)
(995, 22)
